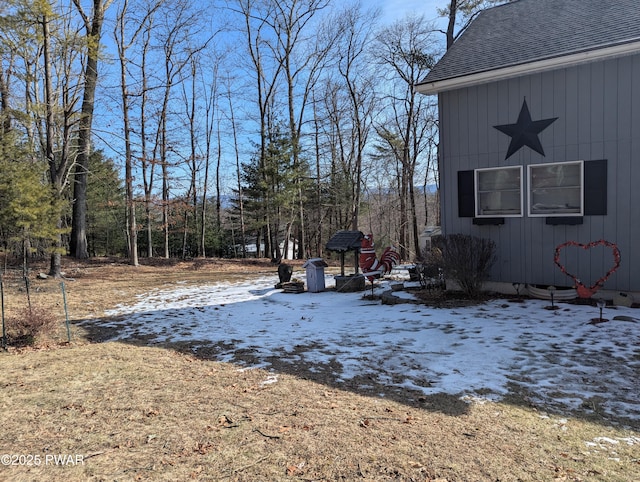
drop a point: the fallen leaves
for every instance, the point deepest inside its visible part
(203, 448)
(227, 428)
(295, 469)
(226, 422)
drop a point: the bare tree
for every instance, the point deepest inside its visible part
(93, 27)
(57, 171)
(4, 98)
(319, 217)
(211, 108)
(293, 28)
(136, 24)
(179, 27)
(173, 64)
(406, 50)
(333, 111)
(236, 149)
(122, 46)
(147, 160)
(255, 15)
(162, 36)
(212, 99)
(207, 88)
(356, 29)
(189, 97)
(460, 13)
(61, 95)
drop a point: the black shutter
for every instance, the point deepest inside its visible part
(595, 188)
(466, 195)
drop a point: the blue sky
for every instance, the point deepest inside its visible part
(397, 9)
(391, 11)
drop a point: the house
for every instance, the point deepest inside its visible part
(251, 250)
(539, 107)
(426, 237)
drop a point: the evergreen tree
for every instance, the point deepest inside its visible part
(29, 209)
(271, 193)
(106, 228)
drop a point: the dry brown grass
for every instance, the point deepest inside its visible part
(140, 413)
(93, 286)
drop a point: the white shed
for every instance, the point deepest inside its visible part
(315, 274)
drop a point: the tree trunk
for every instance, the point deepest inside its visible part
(132, 228)
(238, 176)
(318, 250)
(56, 257)
(78, 242)
(165, 206)
(453, 10)
(4, 103)
(218, 183)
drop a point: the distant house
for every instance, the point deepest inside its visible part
(426, 237)
(252, 250)
(539, 106)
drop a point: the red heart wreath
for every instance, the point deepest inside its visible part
(584, 291)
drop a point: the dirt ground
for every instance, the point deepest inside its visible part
(113, 411)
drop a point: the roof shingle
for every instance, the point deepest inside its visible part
(525, 31)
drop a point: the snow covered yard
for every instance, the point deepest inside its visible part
(556, 359)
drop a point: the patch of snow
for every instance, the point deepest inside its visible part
(270, 380)
(557, 357)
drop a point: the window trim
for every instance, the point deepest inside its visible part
(581, 188)
(477, 192)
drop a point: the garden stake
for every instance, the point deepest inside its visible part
(601, 304)
(4, 331)
(66, 313)
(27, 285)
(552, 289)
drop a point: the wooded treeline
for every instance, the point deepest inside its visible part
(178, 129)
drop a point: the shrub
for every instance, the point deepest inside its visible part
(28, 325)
(467, 260)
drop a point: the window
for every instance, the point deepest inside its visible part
(562, 192)
(498, 191)
(556, 189)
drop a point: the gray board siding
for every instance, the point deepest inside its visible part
(598, 110)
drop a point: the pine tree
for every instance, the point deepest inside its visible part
(106, 227)
(29, 209)
(271, 192)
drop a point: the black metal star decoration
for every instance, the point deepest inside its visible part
(525, 131)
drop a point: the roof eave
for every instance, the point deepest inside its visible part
(430, 88)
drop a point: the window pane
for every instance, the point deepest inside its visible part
(555, 175)
(499, 192)
(499, 203)
(499, 179)
(555, 189)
